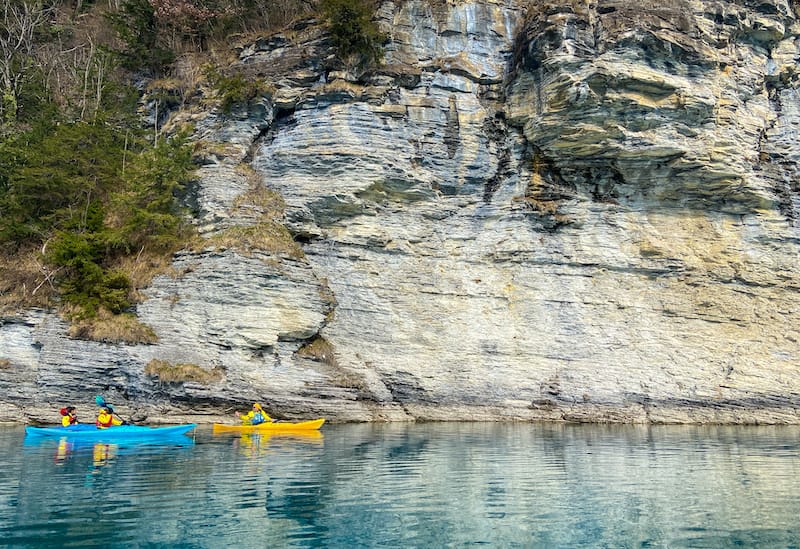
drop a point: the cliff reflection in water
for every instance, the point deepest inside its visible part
(420, 485)
(546, 485)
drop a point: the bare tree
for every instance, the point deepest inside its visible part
(19, 22)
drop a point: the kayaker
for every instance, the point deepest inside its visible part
(105, 418)
(68, 416)
(101, 402)
(255, 416)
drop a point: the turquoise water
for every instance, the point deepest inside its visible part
(427, 485)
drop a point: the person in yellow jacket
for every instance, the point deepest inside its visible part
(105, 418)
(68, 416)
(255, 416)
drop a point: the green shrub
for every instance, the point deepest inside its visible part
(83, 279)
(148, 212)
(88, 195)
(136, 26)
(233, 89)
(352, 30)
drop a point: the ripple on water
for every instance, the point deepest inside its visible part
(519, 485)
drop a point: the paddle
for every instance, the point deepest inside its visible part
(100, 401)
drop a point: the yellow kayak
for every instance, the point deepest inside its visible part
(271, 427)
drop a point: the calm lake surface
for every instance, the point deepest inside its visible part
(426, 485)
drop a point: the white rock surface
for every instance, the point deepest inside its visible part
(568, 211)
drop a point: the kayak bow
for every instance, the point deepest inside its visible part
(271, 427)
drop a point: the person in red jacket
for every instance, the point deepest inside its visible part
(68, 416)
(105, 418)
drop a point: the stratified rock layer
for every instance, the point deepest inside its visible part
(562, 211)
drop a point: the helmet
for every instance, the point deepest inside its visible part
(64, 411)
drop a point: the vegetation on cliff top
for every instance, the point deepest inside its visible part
(83, 195)
(89, 186)
(355, 36)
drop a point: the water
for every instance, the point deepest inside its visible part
(429, 485)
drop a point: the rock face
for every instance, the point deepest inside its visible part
(563, 211)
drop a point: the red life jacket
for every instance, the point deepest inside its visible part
(105, 424)
(72, 419)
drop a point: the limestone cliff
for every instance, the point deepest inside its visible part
(580, 211)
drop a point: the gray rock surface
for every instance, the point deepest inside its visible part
(560, 211)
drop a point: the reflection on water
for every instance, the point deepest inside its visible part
(102, 452)
(430, 485)
(255, 444)
(63, 450)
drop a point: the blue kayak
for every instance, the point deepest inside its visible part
(118, 432)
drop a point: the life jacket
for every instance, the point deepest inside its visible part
(258, 417)
(104, 419)
(67, 419)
